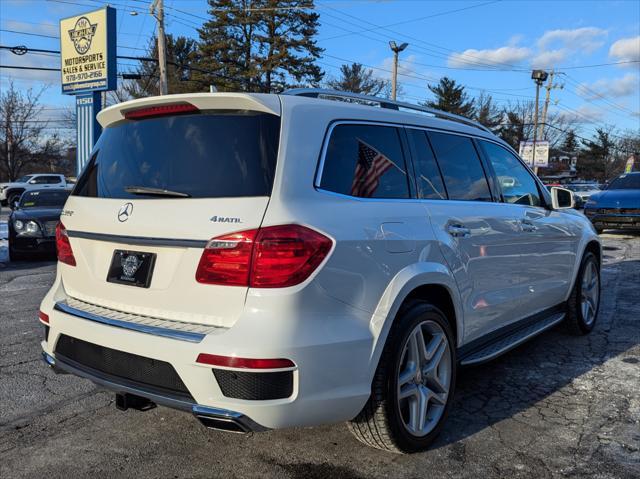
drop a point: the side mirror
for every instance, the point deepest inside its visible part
(561, 198)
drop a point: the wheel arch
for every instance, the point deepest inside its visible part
(431, 282)
(594, 247)
(12, 191)
(589, 245)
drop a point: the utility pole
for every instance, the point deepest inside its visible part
(396, 49)
(539, 76)
(550, 86)
(157, 10)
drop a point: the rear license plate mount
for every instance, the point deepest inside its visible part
(133, 268)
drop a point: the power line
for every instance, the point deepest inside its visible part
(29, 33)
(613, 147)
(17, 67)
(56, 38)
(430, 51)
(404, 22)
(597, 95)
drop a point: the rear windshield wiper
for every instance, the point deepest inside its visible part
(146, 190)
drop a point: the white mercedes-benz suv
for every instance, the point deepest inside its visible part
(269, 261)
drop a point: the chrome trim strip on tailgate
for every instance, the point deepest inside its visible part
(138, 240)
(167, 328)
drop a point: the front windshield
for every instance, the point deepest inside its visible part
(626, 182)
(23, 179)
(43, 199)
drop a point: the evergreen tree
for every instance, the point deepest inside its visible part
(570, 143)
(451, 97)
(259, 45)
(181, 56)
(596, 159)
(487, 113)
(226, 45)
(357, 79)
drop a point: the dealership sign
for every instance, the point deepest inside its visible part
(88, 52)
(541, 156)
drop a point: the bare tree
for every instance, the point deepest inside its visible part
(487, 112)
(21, 128)
(518, 124)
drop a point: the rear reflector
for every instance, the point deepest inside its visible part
(43, 317)
(63, 246)
(271, 257)
(244, 363)
(160, 110)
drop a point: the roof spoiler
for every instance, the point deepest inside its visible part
(202, 101)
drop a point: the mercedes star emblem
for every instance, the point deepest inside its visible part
(125, 211)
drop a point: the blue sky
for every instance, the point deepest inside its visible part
(483, 44)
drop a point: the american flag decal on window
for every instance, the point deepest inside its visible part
(370, 167)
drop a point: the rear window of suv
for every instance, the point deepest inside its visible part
(210, 155)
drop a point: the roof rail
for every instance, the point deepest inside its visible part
(368, 100)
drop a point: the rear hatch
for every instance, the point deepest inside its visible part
(163, 181)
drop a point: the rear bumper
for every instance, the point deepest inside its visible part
(203, 413)
(331, 378)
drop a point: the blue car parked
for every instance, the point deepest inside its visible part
(617, 207)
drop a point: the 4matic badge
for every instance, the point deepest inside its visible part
(82, 34)
(225, 219)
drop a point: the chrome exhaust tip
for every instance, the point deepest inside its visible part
(224, 420)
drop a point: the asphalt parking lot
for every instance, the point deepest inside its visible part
(559, 406)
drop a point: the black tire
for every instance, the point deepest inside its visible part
(379, 424)
(11, 199)
(575, 322)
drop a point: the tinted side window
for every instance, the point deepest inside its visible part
(39, 180)
(461, 168)
(516, 183)
(365, 161)
(428, 179)
(51, 180)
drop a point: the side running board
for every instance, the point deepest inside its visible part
(508, 342)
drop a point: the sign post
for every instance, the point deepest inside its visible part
(88, 67)
(88, 129)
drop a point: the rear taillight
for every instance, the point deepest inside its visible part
(160, 110)
(44, 317)
(271, 257)
(226, 259)
(63, 246)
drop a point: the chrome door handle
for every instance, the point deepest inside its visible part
(528, 226)
(458, 231)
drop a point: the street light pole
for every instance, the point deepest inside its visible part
(539, 76)
(158, 6)
(396, 49)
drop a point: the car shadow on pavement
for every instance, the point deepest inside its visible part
(519, 384)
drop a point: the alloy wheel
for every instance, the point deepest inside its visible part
(424, 378)
(590, 291)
